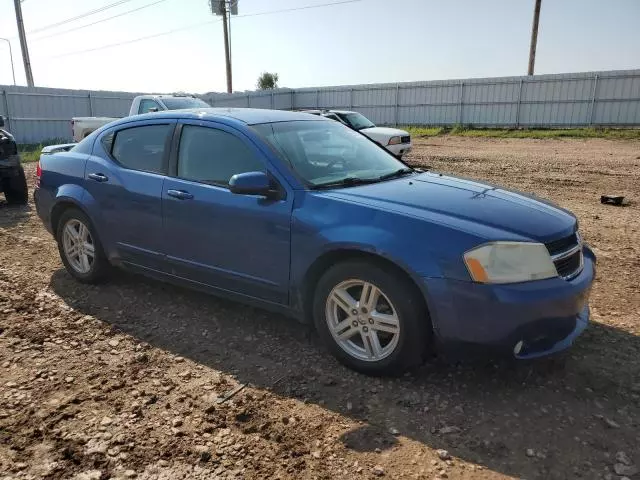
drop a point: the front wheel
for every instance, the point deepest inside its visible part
(372, 319)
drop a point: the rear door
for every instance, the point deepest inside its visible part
(239, 243)
(124, 178)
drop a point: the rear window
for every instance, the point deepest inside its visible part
(142, 148)
(85, 145)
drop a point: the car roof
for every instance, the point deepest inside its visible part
(250, 116)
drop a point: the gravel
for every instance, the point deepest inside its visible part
(142, 355)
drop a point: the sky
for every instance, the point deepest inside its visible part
(353, 42)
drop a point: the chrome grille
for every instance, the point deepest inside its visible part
(566, 254)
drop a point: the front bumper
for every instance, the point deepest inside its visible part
(546, 315)
(399, 149)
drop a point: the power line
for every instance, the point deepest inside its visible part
(168, 32)
(78, 17)
(297, 8)
(98, 21)
(197, 25)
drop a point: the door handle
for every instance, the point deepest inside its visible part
(180, 194)
(98, 177)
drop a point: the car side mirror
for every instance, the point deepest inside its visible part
(1, 121)
(153, 109)
(252, 183)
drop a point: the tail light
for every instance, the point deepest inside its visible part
(38, 174)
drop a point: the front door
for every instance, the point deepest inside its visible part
(124, 179)
(239, 243)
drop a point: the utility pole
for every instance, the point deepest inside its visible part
(534, 37)
(23, 43)
(226, 8)
(13, 72)
(227, 52)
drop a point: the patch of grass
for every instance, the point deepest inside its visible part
(462, 131)
(425, 131)
(30, 156)
(30, 152)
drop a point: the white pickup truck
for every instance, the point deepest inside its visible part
(398, 142)
(83, 126)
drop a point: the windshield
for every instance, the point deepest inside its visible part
(184, 102)
(356, 120)
(325, 153)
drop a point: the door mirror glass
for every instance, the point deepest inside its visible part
(251, 183)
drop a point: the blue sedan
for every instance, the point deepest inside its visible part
(301, 215)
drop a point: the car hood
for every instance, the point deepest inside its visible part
(384, 131)
(461, 203)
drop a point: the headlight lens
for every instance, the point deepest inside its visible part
(394, 141)
(509, 262)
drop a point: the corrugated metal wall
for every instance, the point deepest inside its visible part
(564, 100)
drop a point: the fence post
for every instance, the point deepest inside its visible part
(6, 111)
(351, 98)
(460, 105)
(90, 105)
(272, 101)
(293, 99)
(593, 99)
(518, 105)
(318, 98)
(396, 114)
(248, 101)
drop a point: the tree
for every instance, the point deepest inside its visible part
(267, 81)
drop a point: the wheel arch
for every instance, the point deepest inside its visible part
(339, 255)
(63, 204)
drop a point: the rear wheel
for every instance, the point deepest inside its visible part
(373, 320)
(15, 189)
(79, 247)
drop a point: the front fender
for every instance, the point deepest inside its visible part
(393, 246)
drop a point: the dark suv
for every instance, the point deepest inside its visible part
(12, 179)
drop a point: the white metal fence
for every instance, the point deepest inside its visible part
(566, 100)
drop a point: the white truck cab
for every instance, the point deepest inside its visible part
(83, 126)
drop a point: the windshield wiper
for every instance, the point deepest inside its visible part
(345, 182)
(398, 173)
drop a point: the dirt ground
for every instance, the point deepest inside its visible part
(138, 379)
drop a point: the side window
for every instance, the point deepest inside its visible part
(213, 156)
(107, 142)
(141, 148)
(147, 105)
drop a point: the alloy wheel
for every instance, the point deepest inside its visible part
(362, 320)
(78, 245)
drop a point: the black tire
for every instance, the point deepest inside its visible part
(100, 266)
(415, 327)
(15, 189)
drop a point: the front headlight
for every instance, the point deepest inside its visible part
(394, 141)
(509, 262)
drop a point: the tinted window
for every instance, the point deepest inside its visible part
(85, 145)
(213, 156)
(141, 148)
(107, 142)
(147, 105)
